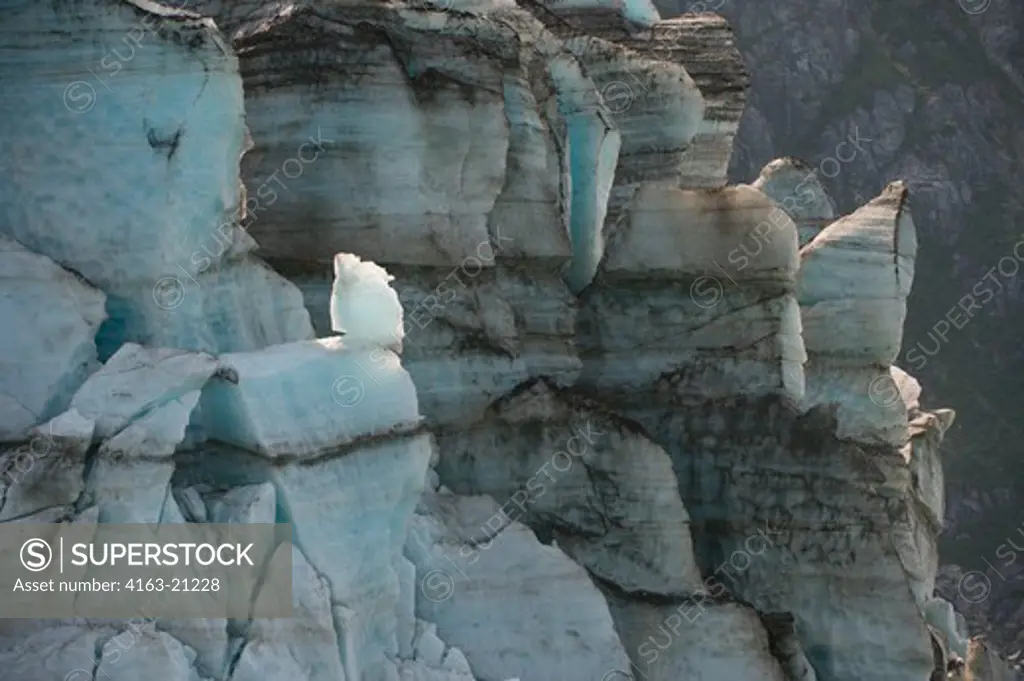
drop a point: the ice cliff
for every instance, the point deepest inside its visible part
(458, 289)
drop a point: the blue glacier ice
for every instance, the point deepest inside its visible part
(370, 269)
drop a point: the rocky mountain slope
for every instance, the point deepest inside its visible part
(461, 293)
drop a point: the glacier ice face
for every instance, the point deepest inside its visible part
(45, 471)
(303, 647)
(176, 166)
(65, 313)
(855, 277)
(592, 144)
(471, 575)
(243, 504)
(720, 294)
(354, 449)
(137, 380)
(695, 640)
(365, 593)
(435, 163)
(150, 653)
(679, 110)
(141, 402)
(237, 306)
(537, 220)
(859, 269)
(129, 480)
(56, 650)
(162, 111)
(830, 472)
(597, 487)
(641, 13)
(798, 190)
(941, 615)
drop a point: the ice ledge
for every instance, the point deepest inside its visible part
(305, 399)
